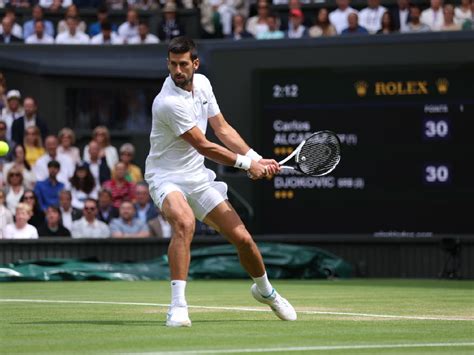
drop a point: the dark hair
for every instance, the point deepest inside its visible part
(54, 164)
(102, 9)
(273, 15)
(55, 208)
(36, 207)
(90, 200)
(325, 24)
(105, 191)
(36, 21)
(182, 44)
(106, 26)
(144, 23)
(87, 184)
(10, 9)
(391, 25)
(25, 162)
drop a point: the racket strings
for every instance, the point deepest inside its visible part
(319, 154)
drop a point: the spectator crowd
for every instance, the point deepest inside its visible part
(233, 19)
(48, 187)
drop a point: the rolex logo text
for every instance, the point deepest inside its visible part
(398, 88)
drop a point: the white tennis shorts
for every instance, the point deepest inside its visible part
(202, 198)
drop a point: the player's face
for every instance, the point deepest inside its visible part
(182, 69)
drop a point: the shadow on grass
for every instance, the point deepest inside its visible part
(130, 322)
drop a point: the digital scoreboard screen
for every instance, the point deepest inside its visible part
(407, 150)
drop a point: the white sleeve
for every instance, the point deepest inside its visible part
(213, 108)
(178, 117)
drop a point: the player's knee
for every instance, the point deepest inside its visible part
(184, 227)
(244, 242)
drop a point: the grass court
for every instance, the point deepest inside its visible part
(335, 317)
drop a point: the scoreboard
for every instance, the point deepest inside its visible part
(407, 150)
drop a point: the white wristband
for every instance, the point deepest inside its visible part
(243, 162)
(252, 154)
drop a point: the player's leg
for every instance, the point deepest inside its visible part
(227, 222)
(181, 218)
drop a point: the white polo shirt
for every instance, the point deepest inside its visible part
(33, 39)
(371, 18)
(149, 39)
(77, 38)
(83, 229)
(114, 39)
(338, 18)
(175, 111)
(127, 31)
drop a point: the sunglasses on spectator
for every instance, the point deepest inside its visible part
(28, 198)
(89, 208)
(15, 174)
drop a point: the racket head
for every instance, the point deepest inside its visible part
(320, 154)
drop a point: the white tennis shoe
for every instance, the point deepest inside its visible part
(177, 316)
(280, 306)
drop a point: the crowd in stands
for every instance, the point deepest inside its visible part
(226, 19)
(48, 188)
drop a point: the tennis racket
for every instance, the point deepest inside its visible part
(316, 156)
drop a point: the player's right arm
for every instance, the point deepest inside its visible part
(177, 115)
(218, 153)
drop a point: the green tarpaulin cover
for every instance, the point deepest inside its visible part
(281, 260)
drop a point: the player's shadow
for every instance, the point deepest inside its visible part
(227, 320)
(128, 323)
(96, 322)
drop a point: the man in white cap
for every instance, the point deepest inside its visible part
(12, 111)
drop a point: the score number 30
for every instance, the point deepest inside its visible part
(436, 129)
(437, 174)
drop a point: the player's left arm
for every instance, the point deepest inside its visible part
(234, 142)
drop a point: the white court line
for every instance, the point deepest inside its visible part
(306, 348)
(245, 309)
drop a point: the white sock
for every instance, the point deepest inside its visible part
(177, 293)
(263, 285)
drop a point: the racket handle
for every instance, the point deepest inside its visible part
(286, 167)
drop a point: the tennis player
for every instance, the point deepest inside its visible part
(183, 188)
